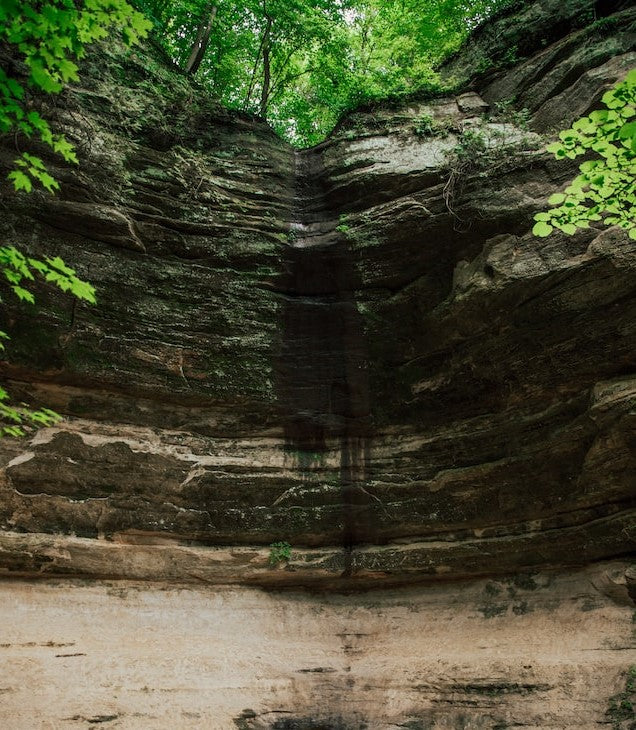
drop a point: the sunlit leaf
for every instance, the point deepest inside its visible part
(542, 229)
(20, 181)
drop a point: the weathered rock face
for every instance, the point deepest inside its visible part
(359, 349)
(542, 652)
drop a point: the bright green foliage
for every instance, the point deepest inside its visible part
(302, 63)
(14, 419)
(275, 58)
(299, 63)
(19, 269)
(280, 552)
(606, 188)
(48, 37)
(18, 272)
(29, 168)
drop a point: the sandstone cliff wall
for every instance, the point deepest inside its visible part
(350, 346)
(359, 349)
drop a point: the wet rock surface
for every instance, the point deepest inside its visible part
(359, 349)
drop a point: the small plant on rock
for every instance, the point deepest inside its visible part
(427, 126)
(280, 552)
(622, 711)
(506, 113)
(424, 126)
(343, 225)
(465, 156)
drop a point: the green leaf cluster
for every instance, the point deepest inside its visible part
(48, 37)
(30, 168)
(14, 419)
(605, 189)
(18, 272)
(280, 552)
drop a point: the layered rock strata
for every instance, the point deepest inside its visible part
(358, 349)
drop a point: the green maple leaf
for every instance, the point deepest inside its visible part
(43, 79)
(23, 294)
(50, 183)
(20, 181)
(68, 70)
(63, 147)
(58, 263)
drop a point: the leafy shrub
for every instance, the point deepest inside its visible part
(280, 552)
(606, 188)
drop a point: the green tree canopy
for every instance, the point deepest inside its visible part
(303, 63)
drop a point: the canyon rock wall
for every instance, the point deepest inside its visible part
(358, 349)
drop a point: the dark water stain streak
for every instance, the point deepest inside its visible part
(322, 381)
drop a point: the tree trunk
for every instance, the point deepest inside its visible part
(201, 42)
(267, 71)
